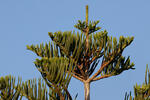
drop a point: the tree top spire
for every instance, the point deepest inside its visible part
(87, 12)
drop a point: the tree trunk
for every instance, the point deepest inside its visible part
(87, 90)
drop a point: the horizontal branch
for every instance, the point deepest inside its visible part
(101, 77)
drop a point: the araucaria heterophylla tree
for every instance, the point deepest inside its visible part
(141, 92)
(78, 54)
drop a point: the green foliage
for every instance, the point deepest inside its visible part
(48, 50)
(55, 71)
(35, 91)
(31, 89)
(81, 25)
(73, 46)
(8, 88)
(141, 92)
(54, 68)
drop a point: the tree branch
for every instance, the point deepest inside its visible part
(57, 89)
(82, 80)
(94, 58)
(101, 77)
(77, 74)
(97, 56)
(68, 94)
(82, 72)
(105, 64)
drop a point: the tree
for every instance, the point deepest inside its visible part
(141, 92)
(31, 89)
(71, 54)
(80, 53)
(8, 90)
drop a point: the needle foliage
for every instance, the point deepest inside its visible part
(141, 92)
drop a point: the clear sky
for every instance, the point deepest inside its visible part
(26, 22)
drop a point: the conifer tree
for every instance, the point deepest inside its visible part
(78, 54)
(70, 54)
(8, 89)
(141, 92)
(31, 90)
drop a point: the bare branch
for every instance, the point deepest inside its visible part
(101, 77)
(82, 80)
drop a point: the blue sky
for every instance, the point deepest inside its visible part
(26, 22)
